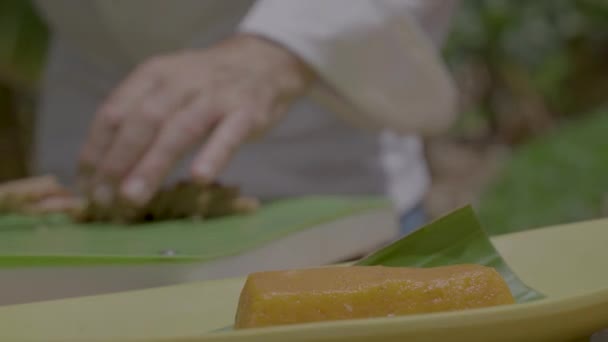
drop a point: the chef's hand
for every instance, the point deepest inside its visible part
(215, 98)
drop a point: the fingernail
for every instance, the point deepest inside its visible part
(136, 191)
(103, 194)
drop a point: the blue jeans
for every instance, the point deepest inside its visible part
(412, 220)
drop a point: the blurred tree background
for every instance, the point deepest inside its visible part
(529, 148)
(525, 65)
(23, 42)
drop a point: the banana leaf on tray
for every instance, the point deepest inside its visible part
(206, 309)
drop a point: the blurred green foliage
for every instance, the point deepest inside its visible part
(23, 43)
(539, 75)
(559, 178)
(530, 62)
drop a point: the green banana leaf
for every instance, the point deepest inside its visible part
(57, 241)
(456, 238)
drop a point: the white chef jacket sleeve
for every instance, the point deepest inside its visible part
(378, 60)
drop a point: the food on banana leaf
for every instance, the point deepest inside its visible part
(337, 293)
(182, 200)
(45, 195)
(38, 196)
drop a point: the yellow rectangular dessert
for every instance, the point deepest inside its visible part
(335, 293)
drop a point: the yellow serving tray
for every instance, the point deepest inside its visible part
(567, 263)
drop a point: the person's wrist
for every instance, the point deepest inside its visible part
(288, 71)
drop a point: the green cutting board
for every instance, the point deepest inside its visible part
(56, 241)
